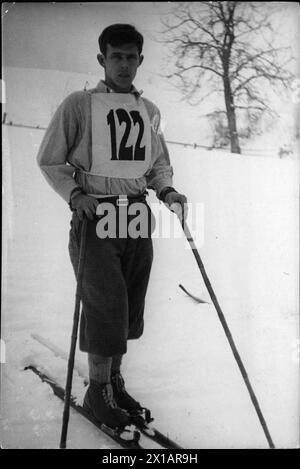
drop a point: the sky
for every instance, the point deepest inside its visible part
(51, 37)
(61, 39)
(64, 37)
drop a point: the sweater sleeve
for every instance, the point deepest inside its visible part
(161, 173)
(57, 144)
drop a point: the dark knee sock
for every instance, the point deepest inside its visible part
(99, 368)
(116, 364)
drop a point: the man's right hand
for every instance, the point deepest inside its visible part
(84, 205)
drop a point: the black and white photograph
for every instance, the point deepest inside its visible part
(150, 228)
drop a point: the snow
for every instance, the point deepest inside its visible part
(182, 367)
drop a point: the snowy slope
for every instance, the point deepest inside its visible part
(182, 367)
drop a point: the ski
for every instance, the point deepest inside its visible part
(142, 425)
(60, 392)
(58, 352)
(195, 298)
(155, 435)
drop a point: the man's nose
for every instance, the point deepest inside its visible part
(124, 63)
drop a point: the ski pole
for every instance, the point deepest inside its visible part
(227, 332)
(66, 412)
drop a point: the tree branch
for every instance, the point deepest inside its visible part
(229, 39)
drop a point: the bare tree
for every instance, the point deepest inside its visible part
(226, 47)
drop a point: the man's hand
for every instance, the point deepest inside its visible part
(177, 203)
(84, 205)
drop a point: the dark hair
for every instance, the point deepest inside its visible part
(118, 34)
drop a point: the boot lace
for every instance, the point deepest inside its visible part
(108, 396)
(119, 383)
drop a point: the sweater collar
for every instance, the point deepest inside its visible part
(102, 87)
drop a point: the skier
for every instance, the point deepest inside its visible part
(103, 148)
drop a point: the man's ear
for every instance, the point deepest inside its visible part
(101, 60)
(141, 60)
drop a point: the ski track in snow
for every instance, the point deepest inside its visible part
(182, 367)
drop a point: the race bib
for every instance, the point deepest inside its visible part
(121, 136)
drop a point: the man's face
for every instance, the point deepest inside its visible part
(120, 65)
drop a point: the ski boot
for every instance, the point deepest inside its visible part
(100, 404)
(140, 416)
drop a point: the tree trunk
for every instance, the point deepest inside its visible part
(230, 111)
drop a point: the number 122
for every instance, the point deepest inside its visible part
(126, 153)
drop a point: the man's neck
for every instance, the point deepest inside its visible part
(115, 89)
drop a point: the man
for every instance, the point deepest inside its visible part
(104, 146)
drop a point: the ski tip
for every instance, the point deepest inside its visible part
(195, 298)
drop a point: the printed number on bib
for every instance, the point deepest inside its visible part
(131, 118)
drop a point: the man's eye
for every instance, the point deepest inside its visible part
(119, 57)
